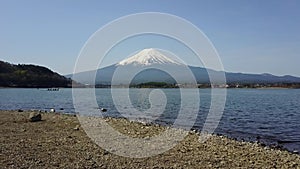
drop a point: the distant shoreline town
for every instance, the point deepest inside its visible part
(201, 85)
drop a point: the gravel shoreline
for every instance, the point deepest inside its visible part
(58, 141)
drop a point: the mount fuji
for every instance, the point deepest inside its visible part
(152, 62)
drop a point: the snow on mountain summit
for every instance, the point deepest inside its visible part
(148, 57)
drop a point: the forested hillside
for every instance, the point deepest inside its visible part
(22, 75)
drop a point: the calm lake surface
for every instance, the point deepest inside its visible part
(271, 116)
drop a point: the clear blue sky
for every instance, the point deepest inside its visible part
(251, 36)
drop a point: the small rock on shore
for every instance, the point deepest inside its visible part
(35, 116)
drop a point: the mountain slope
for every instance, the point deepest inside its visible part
(150, 59)
(30, 76)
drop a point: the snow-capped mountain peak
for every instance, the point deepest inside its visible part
(148, 57)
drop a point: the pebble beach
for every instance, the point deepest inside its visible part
(58, 141)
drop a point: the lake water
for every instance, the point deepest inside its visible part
(271, 116)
